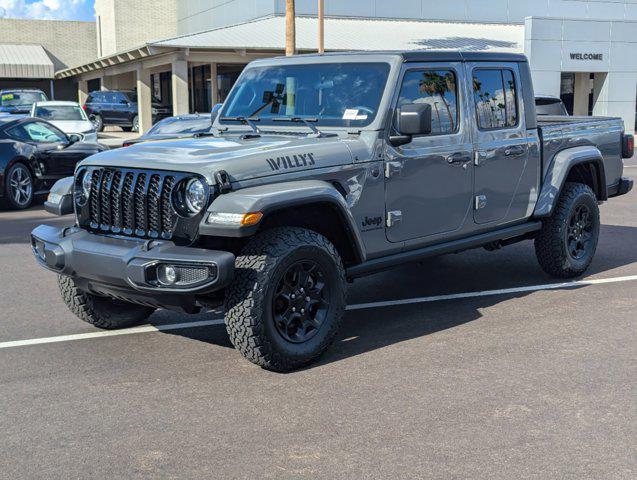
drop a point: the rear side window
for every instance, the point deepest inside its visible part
(438, 89)
(495, 98)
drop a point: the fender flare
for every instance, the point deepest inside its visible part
(277, 196)
(558, 170)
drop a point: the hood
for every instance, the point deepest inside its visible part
(73, 126)
(241, 158)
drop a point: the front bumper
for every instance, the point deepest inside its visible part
(115, 265)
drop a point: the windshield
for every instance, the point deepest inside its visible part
(14, 99)
(335, 94)
(181, 125)
(60, 112)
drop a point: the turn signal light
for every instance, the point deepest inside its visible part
(251, 219)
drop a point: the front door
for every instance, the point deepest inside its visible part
(501, 148)
(429, 186)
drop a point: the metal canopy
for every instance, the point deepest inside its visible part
(25, 61)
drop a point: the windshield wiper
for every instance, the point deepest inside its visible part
(246, 121)
(309, 122)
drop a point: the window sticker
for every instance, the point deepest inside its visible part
(7, 96)
(350, 114)
(361, 117)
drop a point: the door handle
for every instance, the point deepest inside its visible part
(457, 158)
(514, 151)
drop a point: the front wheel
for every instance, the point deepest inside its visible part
(566, 244)
(19, 187)
(102, 312)
(286, 303)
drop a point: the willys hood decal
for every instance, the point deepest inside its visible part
(241, 158)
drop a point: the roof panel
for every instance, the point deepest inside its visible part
(24, 61)
(343, 34)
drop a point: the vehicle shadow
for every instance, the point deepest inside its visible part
(374, 328)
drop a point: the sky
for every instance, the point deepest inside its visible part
(48, 9)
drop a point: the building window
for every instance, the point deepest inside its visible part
(438, 89)
(495, 98)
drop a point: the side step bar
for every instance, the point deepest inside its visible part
(377, 264)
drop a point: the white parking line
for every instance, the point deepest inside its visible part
(360, 306)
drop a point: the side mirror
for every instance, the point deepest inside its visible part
(73, 138)
(411, 119)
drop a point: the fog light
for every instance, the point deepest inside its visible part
(167, 275)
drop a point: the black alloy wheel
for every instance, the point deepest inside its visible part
(579, 233)
(301, 302)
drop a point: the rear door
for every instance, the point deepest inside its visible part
(429, 187)
(501, 146)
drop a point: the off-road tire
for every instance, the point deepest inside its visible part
(102, 312)
(248, 304)
(551, 246)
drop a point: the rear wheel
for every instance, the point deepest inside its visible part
(19, 187)
(134, 127)
(566, 245)
(286, 303)
(102, 312)
(97, 121)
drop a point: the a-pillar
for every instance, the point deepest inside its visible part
(82, 91)
(180, 87)
(144, 104)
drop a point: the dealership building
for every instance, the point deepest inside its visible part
(188, 53)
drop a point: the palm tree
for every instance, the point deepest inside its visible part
(433, 83)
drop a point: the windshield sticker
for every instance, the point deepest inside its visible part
(7, 96)
(350, 114)
(361, 117)
(291, 161)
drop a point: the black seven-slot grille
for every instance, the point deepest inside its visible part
(137, 203)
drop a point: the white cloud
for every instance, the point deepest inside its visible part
(45, 9)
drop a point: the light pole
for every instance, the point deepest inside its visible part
(321, 26)
(290, 29)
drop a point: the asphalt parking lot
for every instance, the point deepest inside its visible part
(519, 380)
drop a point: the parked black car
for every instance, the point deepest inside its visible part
(33, 155)
(176, 127)
(20, 100)
(119, 108)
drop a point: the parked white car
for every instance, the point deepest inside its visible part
(68, 117)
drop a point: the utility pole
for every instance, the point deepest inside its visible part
(321, 26)
(290, 29)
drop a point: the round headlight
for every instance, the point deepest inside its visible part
(195, 195)
(87, 179)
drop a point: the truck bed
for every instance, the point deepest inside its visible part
(560, 132)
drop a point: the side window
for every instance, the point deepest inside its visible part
(90, 98)
(38, 132)
(495, 98)
(438, 88)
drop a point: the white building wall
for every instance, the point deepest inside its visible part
(199, 15)
(551, 43)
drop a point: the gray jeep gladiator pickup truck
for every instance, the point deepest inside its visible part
(320, 169)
